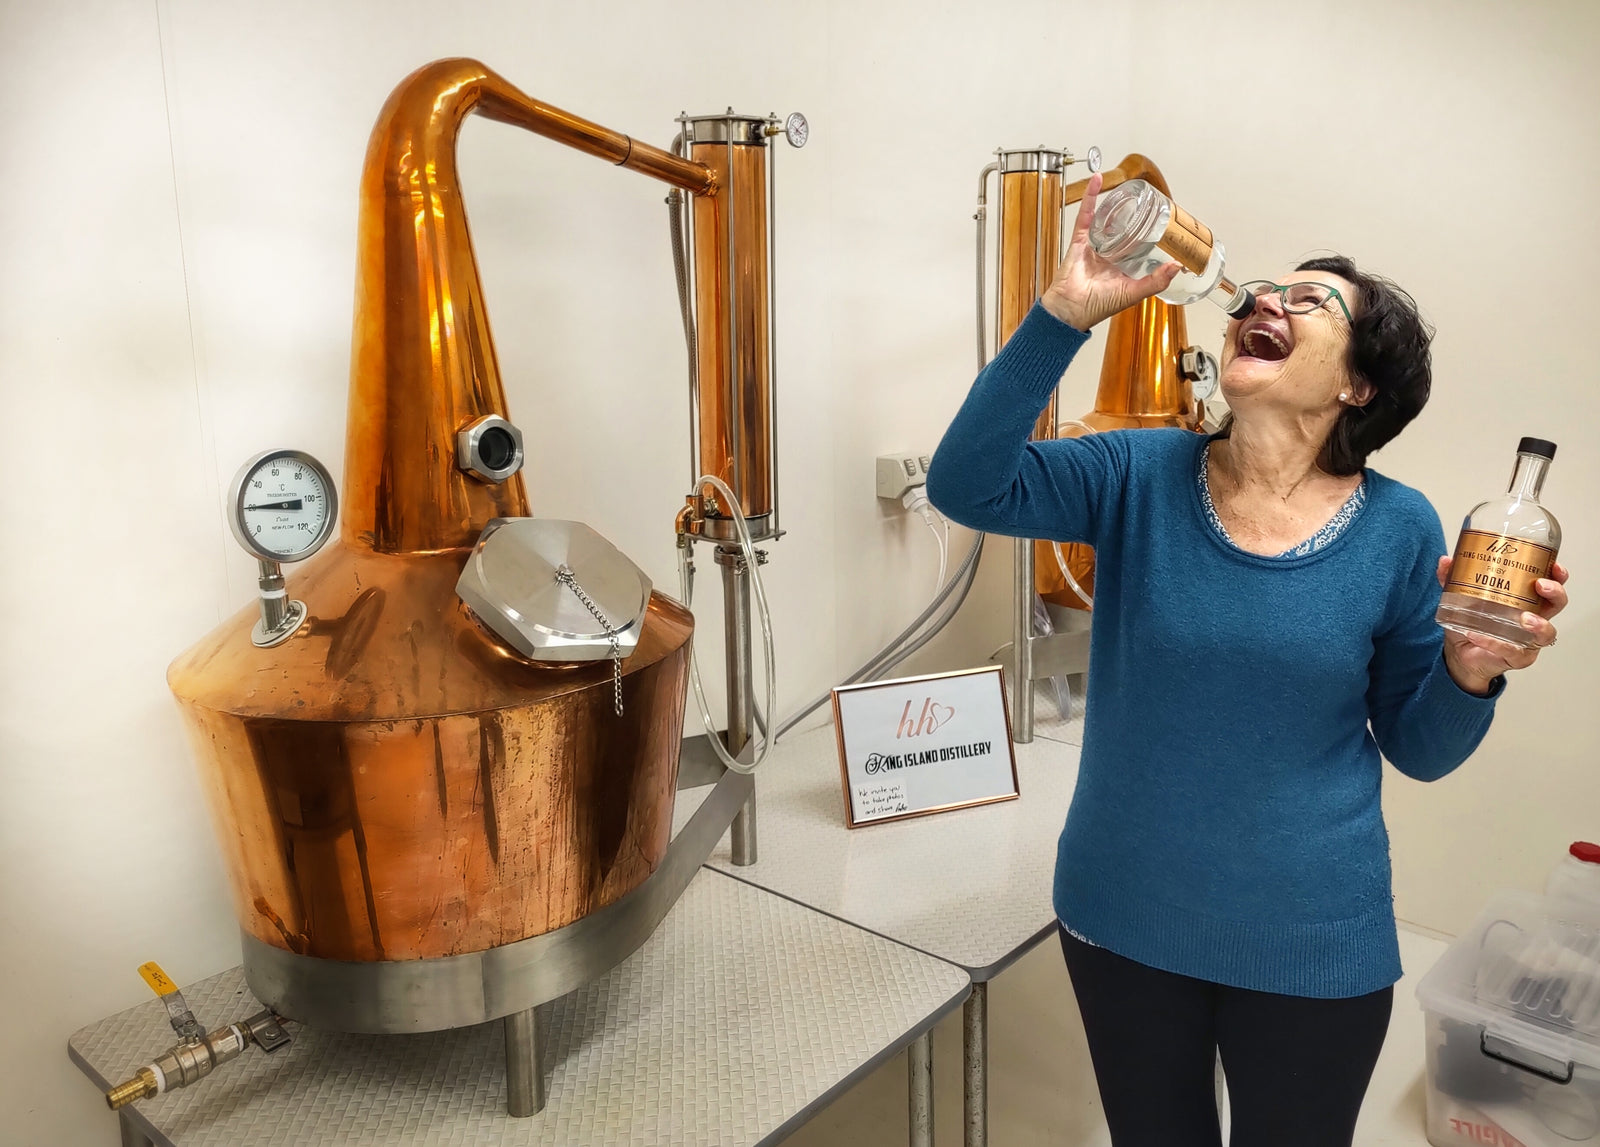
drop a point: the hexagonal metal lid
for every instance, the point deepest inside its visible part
(511, 584)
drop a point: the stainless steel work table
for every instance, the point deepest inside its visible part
(742, 1015)
(971, 887)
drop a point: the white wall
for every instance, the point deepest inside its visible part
(178, 254)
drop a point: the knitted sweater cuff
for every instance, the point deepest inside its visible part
(1038, 352)
(1453, 709)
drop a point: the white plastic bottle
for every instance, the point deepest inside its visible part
(1576, 880)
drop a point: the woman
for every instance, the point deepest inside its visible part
(1223, 878)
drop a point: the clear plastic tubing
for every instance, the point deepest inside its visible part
(1138, 228)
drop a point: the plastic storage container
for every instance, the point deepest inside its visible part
(1513, 1029)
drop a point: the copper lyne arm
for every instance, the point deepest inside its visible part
(1132, 167)
(423, 362)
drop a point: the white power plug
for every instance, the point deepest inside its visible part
(898, 473)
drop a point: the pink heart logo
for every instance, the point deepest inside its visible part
(939, 715)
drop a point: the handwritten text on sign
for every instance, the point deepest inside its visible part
(923, 744)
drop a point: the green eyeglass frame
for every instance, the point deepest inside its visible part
(1303, 305)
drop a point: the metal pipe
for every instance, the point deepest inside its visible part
(741, 693)
(982, 216)
(680, 217)
(524, 1072)
(772, 327)
(896, 651)
(975, 1066)
(919, 1089)
(737, 427)
(1022, 643)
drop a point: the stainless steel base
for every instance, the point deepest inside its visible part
(723, 529)
(393, 997)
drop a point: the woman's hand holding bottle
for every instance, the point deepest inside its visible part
(1088, 288)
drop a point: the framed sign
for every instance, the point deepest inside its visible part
(919, 745)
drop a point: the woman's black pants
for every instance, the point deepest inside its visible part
(1296, 1068)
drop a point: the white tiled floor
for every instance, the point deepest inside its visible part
(1041, 1087)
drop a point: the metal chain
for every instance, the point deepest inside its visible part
(565, 576)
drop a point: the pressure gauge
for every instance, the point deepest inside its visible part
(796, 130)
(1092, 158)
(1200, 368)
(283, 506)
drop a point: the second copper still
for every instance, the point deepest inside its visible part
(1145, 377)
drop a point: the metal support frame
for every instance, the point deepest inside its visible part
(524, 1068)
(1022, 644)
(975, 1066)
(132, 1134)
(919, 1089)
(741, 693)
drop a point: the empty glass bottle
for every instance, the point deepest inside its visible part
(1506, 545)
(1138, 228)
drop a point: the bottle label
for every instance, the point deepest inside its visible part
(1187, 240)
(1499, 568)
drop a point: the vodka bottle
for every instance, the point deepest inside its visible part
(1138, 228)
(1506, 545)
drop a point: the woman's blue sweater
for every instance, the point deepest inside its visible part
(1226, 822)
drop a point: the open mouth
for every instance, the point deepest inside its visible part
(1264, 340)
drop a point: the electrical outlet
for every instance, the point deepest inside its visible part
(898, 473)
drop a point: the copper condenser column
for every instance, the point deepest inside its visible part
(729, 309)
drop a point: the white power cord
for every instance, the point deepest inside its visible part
(686, 584)
(916, 500)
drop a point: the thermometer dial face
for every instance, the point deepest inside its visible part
(797, 129)
(284, 506)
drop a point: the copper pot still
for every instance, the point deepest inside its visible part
(395, 783)
(1142, 381)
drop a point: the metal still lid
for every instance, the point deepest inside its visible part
(1540, 446)
(513, 584)
(1041, 158)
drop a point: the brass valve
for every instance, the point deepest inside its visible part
(199, 1052)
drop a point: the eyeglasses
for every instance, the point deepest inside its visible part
(1301, 298)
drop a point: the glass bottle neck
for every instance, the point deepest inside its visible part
(1528, 478)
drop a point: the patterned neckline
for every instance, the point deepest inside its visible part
(1330, 530)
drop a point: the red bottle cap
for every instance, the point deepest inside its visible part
(1585, 851)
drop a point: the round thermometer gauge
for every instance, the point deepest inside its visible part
(796, 129)
(283, 505)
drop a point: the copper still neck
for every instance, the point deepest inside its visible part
(423, 362)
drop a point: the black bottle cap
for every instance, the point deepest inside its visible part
(1539, 446)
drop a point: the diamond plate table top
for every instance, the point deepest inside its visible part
(970, 886)
(740, 1016)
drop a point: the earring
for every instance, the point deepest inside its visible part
(1343, 397)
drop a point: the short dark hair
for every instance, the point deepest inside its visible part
(1389, 348)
